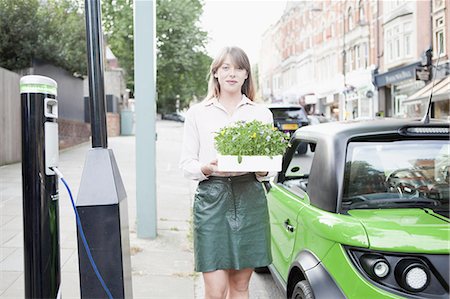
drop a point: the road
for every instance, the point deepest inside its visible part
(262, 286)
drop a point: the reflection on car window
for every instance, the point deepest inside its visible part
(295, 113)
(397, 174)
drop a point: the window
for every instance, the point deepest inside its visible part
(396, 42)
(299, 168)
(365, 54)
(350, 19)
(389, 49)
(357, 57)
(396, 174)
(407, 33)
(362, 16)
(439, 36)
(399, 44)
(399, 108)
(437, 4)
(348, 60)
(440, 42)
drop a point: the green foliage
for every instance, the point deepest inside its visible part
(117, 19)
(51, 30)
(251, 139)
(182, 64)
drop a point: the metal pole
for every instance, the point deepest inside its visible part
(42, 270)
(145, 94)
(95, 71)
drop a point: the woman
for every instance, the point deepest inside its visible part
(231, 222)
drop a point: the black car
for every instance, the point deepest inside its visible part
(173, 116)
(288, 118)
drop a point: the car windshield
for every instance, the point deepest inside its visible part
(397, 174)
(293, 112)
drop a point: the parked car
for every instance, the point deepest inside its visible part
(288, 118)
(173, 116)
(338, 228)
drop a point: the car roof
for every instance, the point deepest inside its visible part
(354, 128)
(277, 105)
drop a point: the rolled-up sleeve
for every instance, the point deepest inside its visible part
(189, 161)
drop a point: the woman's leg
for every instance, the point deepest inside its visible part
(238, 283)
(216, 284)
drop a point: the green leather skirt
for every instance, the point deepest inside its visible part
(231, 224)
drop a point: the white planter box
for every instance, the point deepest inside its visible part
(249, 163)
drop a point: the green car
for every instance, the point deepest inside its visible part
(351, 218)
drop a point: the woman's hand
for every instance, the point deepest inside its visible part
(208, 169)
(261, 173)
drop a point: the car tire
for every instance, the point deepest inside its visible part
(261, 270)
(302, 290)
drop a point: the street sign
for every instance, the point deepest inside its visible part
(422, 73)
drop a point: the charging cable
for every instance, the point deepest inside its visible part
(83, 237)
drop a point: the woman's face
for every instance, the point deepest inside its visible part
(230, 77)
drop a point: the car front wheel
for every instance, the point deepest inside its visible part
(302, 290)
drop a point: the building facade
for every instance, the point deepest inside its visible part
(356, 58)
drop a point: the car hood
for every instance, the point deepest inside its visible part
(405, 230)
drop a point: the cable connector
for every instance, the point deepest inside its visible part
(58, 173)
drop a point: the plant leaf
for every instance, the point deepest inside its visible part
(239, 159)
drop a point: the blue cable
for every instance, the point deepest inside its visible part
(86, 246)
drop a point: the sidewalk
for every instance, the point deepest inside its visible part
(161, 268)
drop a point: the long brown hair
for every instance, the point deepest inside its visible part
(240, 59)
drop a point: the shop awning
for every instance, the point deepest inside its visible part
(441, 91)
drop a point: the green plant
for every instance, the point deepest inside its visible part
(252, 138)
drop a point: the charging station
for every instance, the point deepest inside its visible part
(40, 152)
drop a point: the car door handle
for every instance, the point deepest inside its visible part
(288, 226)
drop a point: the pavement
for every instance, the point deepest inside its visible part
(161, 267)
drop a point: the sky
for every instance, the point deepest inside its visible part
(239, 23)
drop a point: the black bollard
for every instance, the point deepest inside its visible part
(39, 113)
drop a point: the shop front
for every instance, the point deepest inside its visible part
(397, 86)
(416, 104)
(359, 95)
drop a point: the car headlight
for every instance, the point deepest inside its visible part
(376, 266)
(421, 275)
(412, 275)
(381, 269)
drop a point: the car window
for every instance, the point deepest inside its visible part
(297, 172)
(295, 113)
(397, 174)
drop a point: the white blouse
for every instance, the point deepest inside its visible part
(201, 123)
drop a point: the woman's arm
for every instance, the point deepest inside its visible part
(189, 160)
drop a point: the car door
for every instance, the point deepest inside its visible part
(284, 207)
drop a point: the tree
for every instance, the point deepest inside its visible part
(18, 28)
(182, 64)
(117, 19)
(51, 30)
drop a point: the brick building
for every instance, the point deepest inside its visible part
(356, 58)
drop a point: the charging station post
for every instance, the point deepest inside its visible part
(39, 113)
